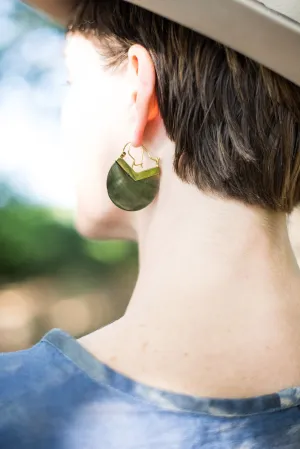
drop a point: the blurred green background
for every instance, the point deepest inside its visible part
(49, 275)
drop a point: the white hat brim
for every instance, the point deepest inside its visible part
(246, 26)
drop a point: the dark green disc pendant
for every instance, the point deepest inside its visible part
(130, 190)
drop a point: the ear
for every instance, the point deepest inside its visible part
(142, 68)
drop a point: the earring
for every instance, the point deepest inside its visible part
(130, 190)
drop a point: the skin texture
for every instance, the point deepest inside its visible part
(215, 311)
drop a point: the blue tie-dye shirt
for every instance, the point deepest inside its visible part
(58, 396)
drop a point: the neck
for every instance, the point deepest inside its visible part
(216, 254)
(217, 292)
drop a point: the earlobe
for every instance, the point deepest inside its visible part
(153, 109)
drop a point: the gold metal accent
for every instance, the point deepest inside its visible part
(134, 164)
(138, 176)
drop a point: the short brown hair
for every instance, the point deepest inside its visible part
(235, 123)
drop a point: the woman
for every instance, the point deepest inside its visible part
(192, 150)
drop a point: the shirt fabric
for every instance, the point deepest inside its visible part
(56, 395)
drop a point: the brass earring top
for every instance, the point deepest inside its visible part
(144, 150)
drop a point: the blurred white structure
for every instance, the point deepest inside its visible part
(32, 83)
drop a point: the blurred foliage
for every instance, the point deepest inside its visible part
(33, 242)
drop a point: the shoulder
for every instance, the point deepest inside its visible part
(22, 375)
(37, 372)
(15, 365)
(38, 388)
(21, 371)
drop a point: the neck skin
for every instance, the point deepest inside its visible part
(217, 292)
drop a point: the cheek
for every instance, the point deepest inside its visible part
(89, 122)
(84, 121)
(94, 133)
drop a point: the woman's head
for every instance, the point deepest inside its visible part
(226, 124)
